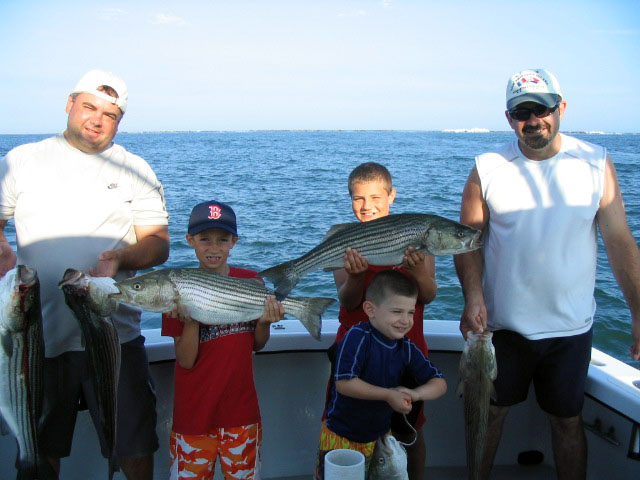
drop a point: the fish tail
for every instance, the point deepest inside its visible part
(284, 277)
(309, 311)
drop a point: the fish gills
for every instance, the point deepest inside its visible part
(382, 241)
(91, 306)
(21, 365)
(478, 370)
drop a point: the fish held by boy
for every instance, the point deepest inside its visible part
(212, 298)
(478, 370)
(382, 241)
(389, 460)
(21, 366)
(88, 298)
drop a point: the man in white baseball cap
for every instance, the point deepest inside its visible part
(539, 200)
(79, 200)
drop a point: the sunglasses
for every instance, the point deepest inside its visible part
(540, 111)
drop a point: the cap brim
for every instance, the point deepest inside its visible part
(201, 228)
(546, 99)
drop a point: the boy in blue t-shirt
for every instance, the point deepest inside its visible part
(369, 363)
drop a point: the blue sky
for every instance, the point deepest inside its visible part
(325, 64)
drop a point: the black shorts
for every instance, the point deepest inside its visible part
(557, 367)
(67, 381)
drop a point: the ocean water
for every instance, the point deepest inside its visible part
(289, 187)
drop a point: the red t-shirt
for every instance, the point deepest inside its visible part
(218, 391)
(349, 319)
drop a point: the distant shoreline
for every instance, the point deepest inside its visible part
(473, 130)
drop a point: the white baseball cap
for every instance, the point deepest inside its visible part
(537, 85)
(93, 79)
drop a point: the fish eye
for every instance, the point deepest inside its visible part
(137, 286)
(461, 234)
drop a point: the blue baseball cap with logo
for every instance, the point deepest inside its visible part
(212, 214)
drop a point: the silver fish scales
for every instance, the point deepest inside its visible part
(88, 298)
(382, 241)
(21, 365)
(478, 370)
(213, 299)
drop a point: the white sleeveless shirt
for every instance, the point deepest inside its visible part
(540, 247)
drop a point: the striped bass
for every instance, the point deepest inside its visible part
(382, 241)
(212, 298)
(88, 298)
(389, 460)
(478, 370)
(21, 366)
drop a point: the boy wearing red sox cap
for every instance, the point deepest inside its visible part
(215, 411)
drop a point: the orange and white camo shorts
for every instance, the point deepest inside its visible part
(194, 456)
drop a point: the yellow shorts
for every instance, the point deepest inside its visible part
(331, 441)
(194, 456)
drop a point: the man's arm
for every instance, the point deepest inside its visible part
(8, 257)
(469, 266)
(151, 249)
(622, 250)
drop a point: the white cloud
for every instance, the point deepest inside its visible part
(167, 19)
(110, 14)
(385, 3)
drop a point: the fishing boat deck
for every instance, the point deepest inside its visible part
(502, 472)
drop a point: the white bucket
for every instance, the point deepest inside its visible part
(344, 464)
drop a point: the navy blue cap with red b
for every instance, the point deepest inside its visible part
(212, 214)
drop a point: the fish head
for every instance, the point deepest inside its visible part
(446, 237)
(96, 290)
(389, 460)
(153, 292)
(478, 355)
(18, 292)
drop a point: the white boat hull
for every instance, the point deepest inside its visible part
(291, 377)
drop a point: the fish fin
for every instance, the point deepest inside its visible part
(310, 315)
(284, 277)
(493, 394)
(7, 345)
(337, 228)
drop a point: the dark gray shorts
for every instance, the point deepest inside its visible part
(67, 383)
(557, 367)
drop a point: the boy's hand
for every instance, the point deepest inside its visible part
(273, 311)
(177, 313)
(413, 262)
(354, 263)
(415, 396)
(399, 400)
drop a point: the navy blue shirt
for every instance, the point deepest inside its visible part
(367, 354)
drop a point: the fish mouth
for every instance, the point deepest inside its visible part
(120, 296)
(486, 335)
(476, 240)
(70, 277)
(26, 276)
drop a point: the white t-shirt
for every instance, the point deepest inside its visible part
(68, 207)
(540, 248)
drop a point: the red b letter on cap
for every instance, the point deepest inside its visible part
(214, 212)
